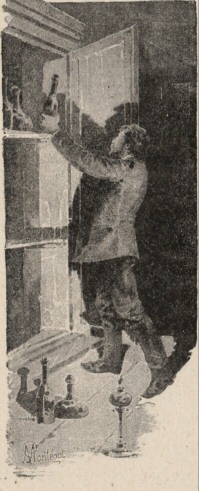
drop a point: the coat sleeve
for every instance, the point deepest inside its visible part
(85, 161)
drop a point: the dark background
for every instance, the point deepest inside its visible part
(166, 223)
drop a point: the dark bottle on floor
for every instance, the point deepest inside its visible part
(45, 403)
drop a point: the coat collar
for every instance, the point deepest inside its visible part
(130, 159)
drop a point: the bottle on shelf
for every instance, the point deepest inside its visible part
(45, 403)
(51, 104)
(21, 121)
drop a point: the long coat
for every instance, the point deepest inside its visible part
(112, 232)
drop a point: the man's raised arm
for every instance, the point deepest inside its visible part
(85, 161)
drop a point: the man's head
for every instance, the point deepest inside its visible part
(131, 139)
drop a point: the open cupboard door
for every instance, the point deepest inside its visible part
(104, 94)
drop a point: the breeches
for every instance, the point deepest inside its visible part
(114, 293)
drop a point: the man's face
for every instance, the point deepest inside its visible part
(134, 140)
(118, 143)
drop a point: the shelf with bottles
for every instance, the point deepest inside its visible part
(17, 123)
(34, 81)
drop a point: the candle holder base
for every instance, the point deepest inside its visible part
(69, 407)
(63, 410)
(119, 453)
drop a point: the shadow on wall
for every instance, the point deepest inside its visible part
(165, 227)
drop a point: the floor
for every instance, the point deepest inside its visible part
(98, 431)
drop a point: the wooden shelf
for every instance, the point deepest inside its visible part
(41, 243)
(28, 135)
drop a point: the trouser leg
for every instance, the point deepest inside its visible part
(149, 342)
(90, 280)
(113, 350)
(138, 325)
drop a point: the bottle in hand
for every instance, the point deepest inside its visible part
(51, 104)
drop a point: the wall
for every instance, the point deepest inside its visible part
(169, 25)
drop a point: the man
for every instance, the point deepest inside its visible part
(112, 247)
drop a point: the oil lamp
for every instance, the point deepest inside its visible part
(120, 400)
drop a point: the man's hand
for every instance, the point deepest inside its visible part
(50, 124)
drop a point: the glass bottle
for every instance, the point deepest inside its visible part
(51, 104)
(45, 403)
(21, 121)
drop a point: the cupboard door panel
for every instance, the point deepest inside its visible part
(104, 95)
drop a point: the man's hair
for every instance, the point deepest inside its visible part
(133, 133)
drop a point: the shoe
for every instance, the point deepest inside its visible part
(103, 366)
(99, 366)
(97, 331)
(160, 380)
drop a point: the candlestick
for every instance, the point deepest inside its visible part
(69, 408)
(23, 373)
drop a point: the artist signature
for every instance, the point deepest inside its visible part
(33, 455)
